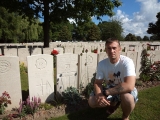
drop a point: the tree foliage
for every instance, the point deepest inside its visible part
(111, 29)
(14, 28)
(56, 29)
(139, 38)
(65, 34)
(82, 29)
(154, 28)
(145, 38)
(61, 10)
(93, 33)
(130, 37)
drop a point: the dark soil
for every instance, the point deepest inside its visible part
(65, 109)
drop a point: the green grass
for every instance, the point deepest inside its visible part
(147, 108)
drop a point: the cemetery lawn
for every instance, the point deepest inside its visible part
(147, 108)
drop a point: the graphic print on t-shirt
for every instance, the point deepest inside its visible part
(114, 78)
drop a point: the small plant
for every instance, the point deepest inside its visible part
(71, 96)
(28, 106)
(4, 101)
(46, 106)
(139, 83)
(89, 88)
(23, 68)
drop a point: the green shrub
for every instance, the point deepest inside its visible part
(71, 96)
(149, 71)
(23, 68)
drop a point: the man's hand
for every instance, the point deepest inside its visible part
(102, 101)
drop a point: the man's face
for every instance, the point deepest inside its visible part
(113, 50)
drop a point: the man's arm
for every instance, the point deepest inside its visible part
(99, 96)
(124, 87)
(98, 87)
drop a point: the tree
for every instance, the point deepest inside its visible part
(153, 37)
(154, 29)
(65, 34)
(139, 38)
(130, 37)
(111, 29)
(82, 28)
(145, 38)
(14, 28)
(56, 28)
(57, 10)
(93, 33)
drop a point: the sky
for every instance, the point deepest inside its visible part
(135, 15)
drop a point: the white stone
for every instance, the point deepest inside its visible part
(10, 52)
(87, 68)
(59, 49)
(78, 50)
(68, 50)
(133, 56)
(40, 77)
(67, 71)
(47, 51)
(102, 56)
(36, 51)
(10, 79)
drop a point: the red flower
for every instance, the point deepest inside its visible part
(148, 44)
(54, 52)
(95, 51)
(147, 54)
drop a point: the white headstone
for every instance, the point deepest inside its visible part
(59, 49)
(157, 57)
(47, 51)
(78, 50)
(87, 68)
(138, 66)
(123, 53)
(68, 50)
(22, 54)
(10, 52)
(36, 51)
(67, 71)
(40, 76)
(133, 56)
(102, 56)
(10, 79)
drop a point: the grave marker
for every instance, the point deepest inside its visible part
(10, 79)
(40, 77)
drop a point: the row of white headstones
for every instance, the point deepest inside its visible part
(71, 70)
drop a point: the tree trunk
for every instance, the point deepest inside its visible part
(46, 23)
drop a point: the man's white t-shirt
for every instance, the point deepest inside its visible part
(115, 73)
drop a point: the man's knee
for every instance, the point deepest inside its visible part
(127, 97)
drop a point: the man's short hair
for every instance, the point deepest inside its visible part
(111, 40)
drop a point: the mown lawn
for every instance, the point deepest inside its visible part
(147, 108)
